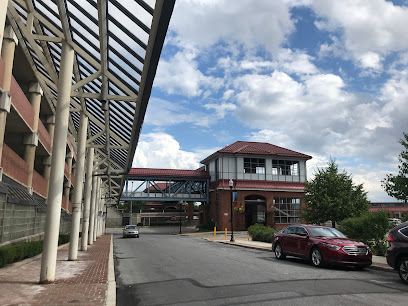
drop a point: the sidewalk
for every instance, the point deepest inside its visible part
(83, 282)
(241, 240)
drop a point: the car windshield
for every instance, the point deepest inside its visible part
(325, 232)
(131, 227)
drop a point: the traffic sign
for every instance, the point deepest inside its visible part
(173, 218)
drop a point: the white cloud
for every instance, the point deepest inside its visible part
(370, 60)
(165, 113)
(207, 22)
(160, 150)
(227, 94)
(221, 109)
(370, 29)
(180, 75)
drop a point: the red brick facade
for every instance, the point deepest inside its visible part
(220, 210)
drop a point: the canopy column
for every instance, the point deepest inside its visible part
(49, 257)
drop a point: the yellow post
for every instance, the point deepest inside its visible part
(225, 232)
(215, 231)
(248, 236)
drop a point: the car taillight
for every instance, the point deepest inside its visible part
(390, 238)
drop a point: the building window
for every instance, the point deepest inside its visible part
(286, 210)
(217, 175)
(254, 165)
(285, 167)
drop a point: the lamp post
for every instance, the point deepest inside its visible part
(181, 203)
(231, 183)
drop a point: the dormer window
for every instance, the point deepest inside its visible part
(254, 165)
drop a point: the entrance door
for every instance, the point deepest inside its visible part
(255, 210)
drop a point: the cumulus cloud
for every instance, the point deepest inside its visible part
(204, 23)
(221, 109)
(180, 75)
(161, 150)
(164, 113)
(370, 29)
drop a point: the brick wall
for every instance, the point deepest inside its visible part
(44, 137)
(21, 104)
(14, 166)
(224, 207)
(39, 184)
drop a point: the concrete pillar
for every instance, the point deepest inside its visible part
(87, 199)
(92, 213)
(67, 185)
(99, 216)
(50, 245)
(47, 161)
(31, 141)
(97, 208)
(77, 197)
(7, 52)
(3, 13)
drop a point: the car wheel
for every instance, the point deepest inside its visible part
(403, 269)
(279, 252)
(316, 258)
(137, 236)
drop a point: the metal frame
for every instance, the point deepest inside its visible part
(114, 68)
(177, 189)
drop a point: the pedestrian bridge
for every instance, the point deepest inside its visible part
(144, 184)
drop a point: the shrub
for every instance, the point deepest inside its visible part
(260, 232)
(404, 217)
(209, 225)
(14, 253)
(369, 228)
(63, 238)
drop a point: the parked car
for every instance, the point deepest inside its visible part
(397, 252)
(320, 245)
(131, 231)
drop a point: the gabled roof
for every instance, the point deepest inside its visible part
(256, 148)
(169, 173)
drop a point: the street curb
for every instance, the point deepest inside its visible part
(241, 245)
(111, 290)
(373, 266)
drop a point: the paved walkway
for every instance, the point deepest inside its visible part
(241, 240)
(81, 282)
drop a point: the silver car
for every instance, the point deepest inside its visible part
(131, 231)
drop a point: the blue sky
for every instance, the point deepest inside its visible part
(324, 78)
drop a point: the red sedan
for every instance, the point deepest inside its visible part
(320, 245)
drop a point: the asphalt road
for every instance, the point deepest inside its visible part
(162, 268)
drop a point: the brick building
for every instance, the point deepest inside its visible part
(268, 184)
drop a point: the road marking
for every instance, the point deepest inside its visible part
(380, 282)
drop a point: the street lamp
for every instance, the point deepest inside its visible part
(231, 183)
(181, 203)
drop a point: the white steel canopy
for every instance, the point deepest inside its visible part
(117, 47)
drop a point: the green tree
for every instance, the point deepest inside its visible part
(129, 205)
(397, 185)
(331, 195)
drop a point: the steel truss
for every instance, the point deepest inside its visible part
(171, 189)
(114, 68)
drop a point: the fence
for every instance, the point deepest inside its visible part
(23, 222)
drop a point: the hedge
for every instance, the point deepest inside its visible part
(207, 226)
(14, 253)
(370, 228)
(260, 232)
